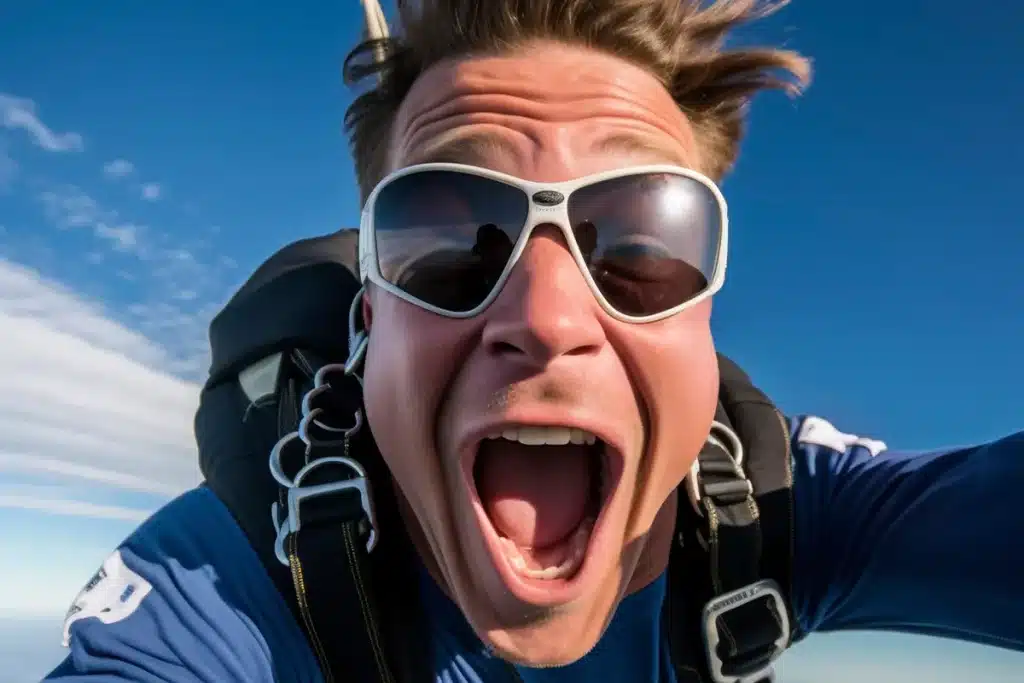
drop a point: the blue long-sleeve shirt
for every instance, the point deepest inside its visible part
(918, 542)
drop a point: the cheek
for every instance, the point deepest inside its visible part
(410, 360)
(676, 372)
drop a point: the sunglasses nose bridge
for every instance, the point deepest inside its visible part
(545, 308)
(558, 232)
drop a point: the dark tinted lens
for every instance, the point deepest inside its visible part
(444, 237)
(650, 241)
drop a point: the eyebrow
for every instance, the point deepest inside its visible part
(482, 147)
(475, 149)
(641, 145)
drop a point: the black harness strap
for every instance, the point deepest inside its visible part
(334, 520)
(333, 583)
(729, 618)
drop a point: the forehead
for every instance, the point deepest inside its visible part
(546, 110)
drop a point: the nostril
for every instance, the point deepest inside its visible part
(502, 348)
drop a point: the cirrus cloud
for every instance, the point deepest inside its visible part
(20, 113)
(83, 399)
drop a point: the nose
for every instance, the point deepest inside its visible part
(545, 309)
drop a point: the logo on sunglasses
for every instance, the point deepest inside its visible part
(548, 198)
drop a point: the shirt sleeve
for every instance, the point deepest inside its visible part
(184, 600)
(926, 542)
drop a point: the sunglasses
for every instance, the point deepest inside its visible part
(650, 241)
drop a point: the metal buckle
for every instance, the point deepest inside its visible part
(729, 602)
(297, 494)
(312, 416)
(728, 441)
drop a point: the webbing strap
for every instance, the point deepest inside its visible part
(726, 623)
(333, 582)
(355, 606)
(748, 632)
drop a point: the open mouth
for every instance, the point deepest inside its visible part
(541, 492)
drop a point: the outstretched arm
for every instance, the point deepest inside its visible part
(925, 542)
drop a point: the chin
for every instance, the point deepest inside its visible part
(543, 646)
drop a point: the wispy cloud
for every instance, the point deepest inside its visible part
(151, 192)
(179, 289)
(68, 206)
(178, 282)
(73, 508)
(83, 399)
(19, 113)
(118, 168)
(63, 470)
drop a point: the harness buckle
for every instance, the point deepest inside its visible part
(760, 670)
(298, 494)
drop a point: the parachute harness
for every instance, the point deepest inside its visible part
(326, 510)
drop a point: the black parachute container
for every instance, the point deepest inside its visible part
(293, 308)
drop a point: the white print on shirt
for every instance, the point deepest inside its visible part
(113, 593)
(819, 432)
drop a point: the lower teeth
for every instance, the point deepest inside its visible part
(575, 548)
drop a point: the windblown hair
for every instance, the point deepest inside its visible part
(681, 42)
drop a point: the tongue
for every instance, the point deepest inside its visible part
(535, 496)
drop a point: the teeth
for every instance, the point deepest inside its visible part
(565, 566)
(546, 436)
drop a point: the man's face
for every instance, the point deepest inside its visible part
(538, 544)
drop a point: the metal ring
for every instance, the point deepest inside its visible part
(693, 486)
(307, 398)
(692, 481)
(310, 413)
(282, 557)
(360, 482)
(276, 467)
(321, 386)
(331, 460)
(275, 514)
(320, 378)
(311, 441)
(737, 452)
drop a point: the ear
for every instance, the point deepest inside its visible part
(367, 310)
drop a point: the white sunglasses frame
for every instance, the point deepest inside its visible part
(558, 215)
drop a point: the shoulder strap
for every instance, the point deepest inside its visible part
(271, 381)
(728, 612)
(342, 540)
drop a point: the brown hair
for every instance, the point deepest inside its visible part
(681, 42)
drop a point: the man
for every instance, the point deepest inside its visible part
(540, 245)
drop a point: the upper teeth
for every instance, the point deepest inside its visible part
(546, 436)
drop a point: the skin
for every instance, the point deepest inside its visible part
(545, 350)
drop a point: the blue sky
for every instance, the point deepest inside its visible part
(152, 154)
